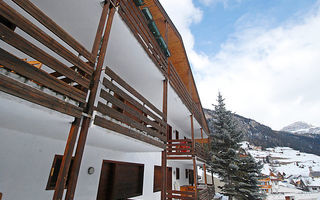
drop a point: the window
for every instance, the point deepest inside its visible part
(157, 179)
(177, 173)
(187, 173)
(54, 172)
(177, 135)
(120, 180)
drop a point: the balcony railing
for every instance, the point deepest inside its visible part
(134, 18)
(183, 195)
(128, 112)
(183, 93)
(55, 82)
(183, 149)
(138, 25)
(205, 192)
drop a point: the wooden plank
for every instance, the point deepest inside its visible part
(103, 18)
(106, 110)
(104, 123)
(28, 48)
(140, 21)
(181, 192)
(90, 106)
(195, 178)
(180, 197)
(179, 153)
(128, 98)
(66, 160)
(164, 175)
(28, 93)
(25, 69)
(138, 34)
(55, 28)
(42, 37)
(115, 101)
(130, 89)
(179, 158)
(181, 140)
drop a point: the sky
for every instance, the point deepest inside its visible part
(262, 55)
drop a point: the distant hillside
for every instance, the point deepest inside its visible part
(261, 135)
(302, 128)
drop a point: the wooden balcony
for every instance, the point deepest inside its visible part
(134, 18)
(185, 149)
(125, 111)
(204, 192)
(184, 95)
(56, 85)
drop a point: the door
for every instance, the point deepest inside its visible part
(120, 180)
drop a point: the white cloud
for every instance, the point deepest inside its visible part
(226, 3)
(268, 74)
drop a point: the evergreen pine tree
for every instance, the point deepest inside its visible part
(247, 177)
(224, 148)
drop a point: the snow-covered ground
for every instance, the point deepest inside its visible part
(295, 165)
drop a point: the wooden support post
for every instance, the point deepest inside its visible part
(192, 135)
(194, 159)
(66, 160)
(205, 174)
(195, 179)
(201, 137)
(90, 105)
(164, 153)
(103, 18)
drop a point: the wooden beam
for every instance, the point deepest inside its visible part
(28, 93)
(90, 105)
(192, 134)
(205, 174)
(97, 40)
(66, 160)
(104, 123)
(195, 176)
(201, 137)
(164, 174)
(164, 153)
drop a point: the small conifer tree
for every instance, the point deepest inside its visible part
(247, 178)
(224, 148)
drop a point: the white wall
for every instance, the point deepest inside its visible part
(26, 161)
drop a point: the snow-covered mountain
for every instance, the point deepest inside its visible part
(301, 128)
(261, 135)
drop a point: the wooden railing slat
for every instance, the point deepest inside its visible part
(25, 69)
(126, 86)
(42, 37)
(119, 92)
(55, 28)
(28, 48)
(105, 95)
(106, 110)
(104, 123)
(28, 93)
